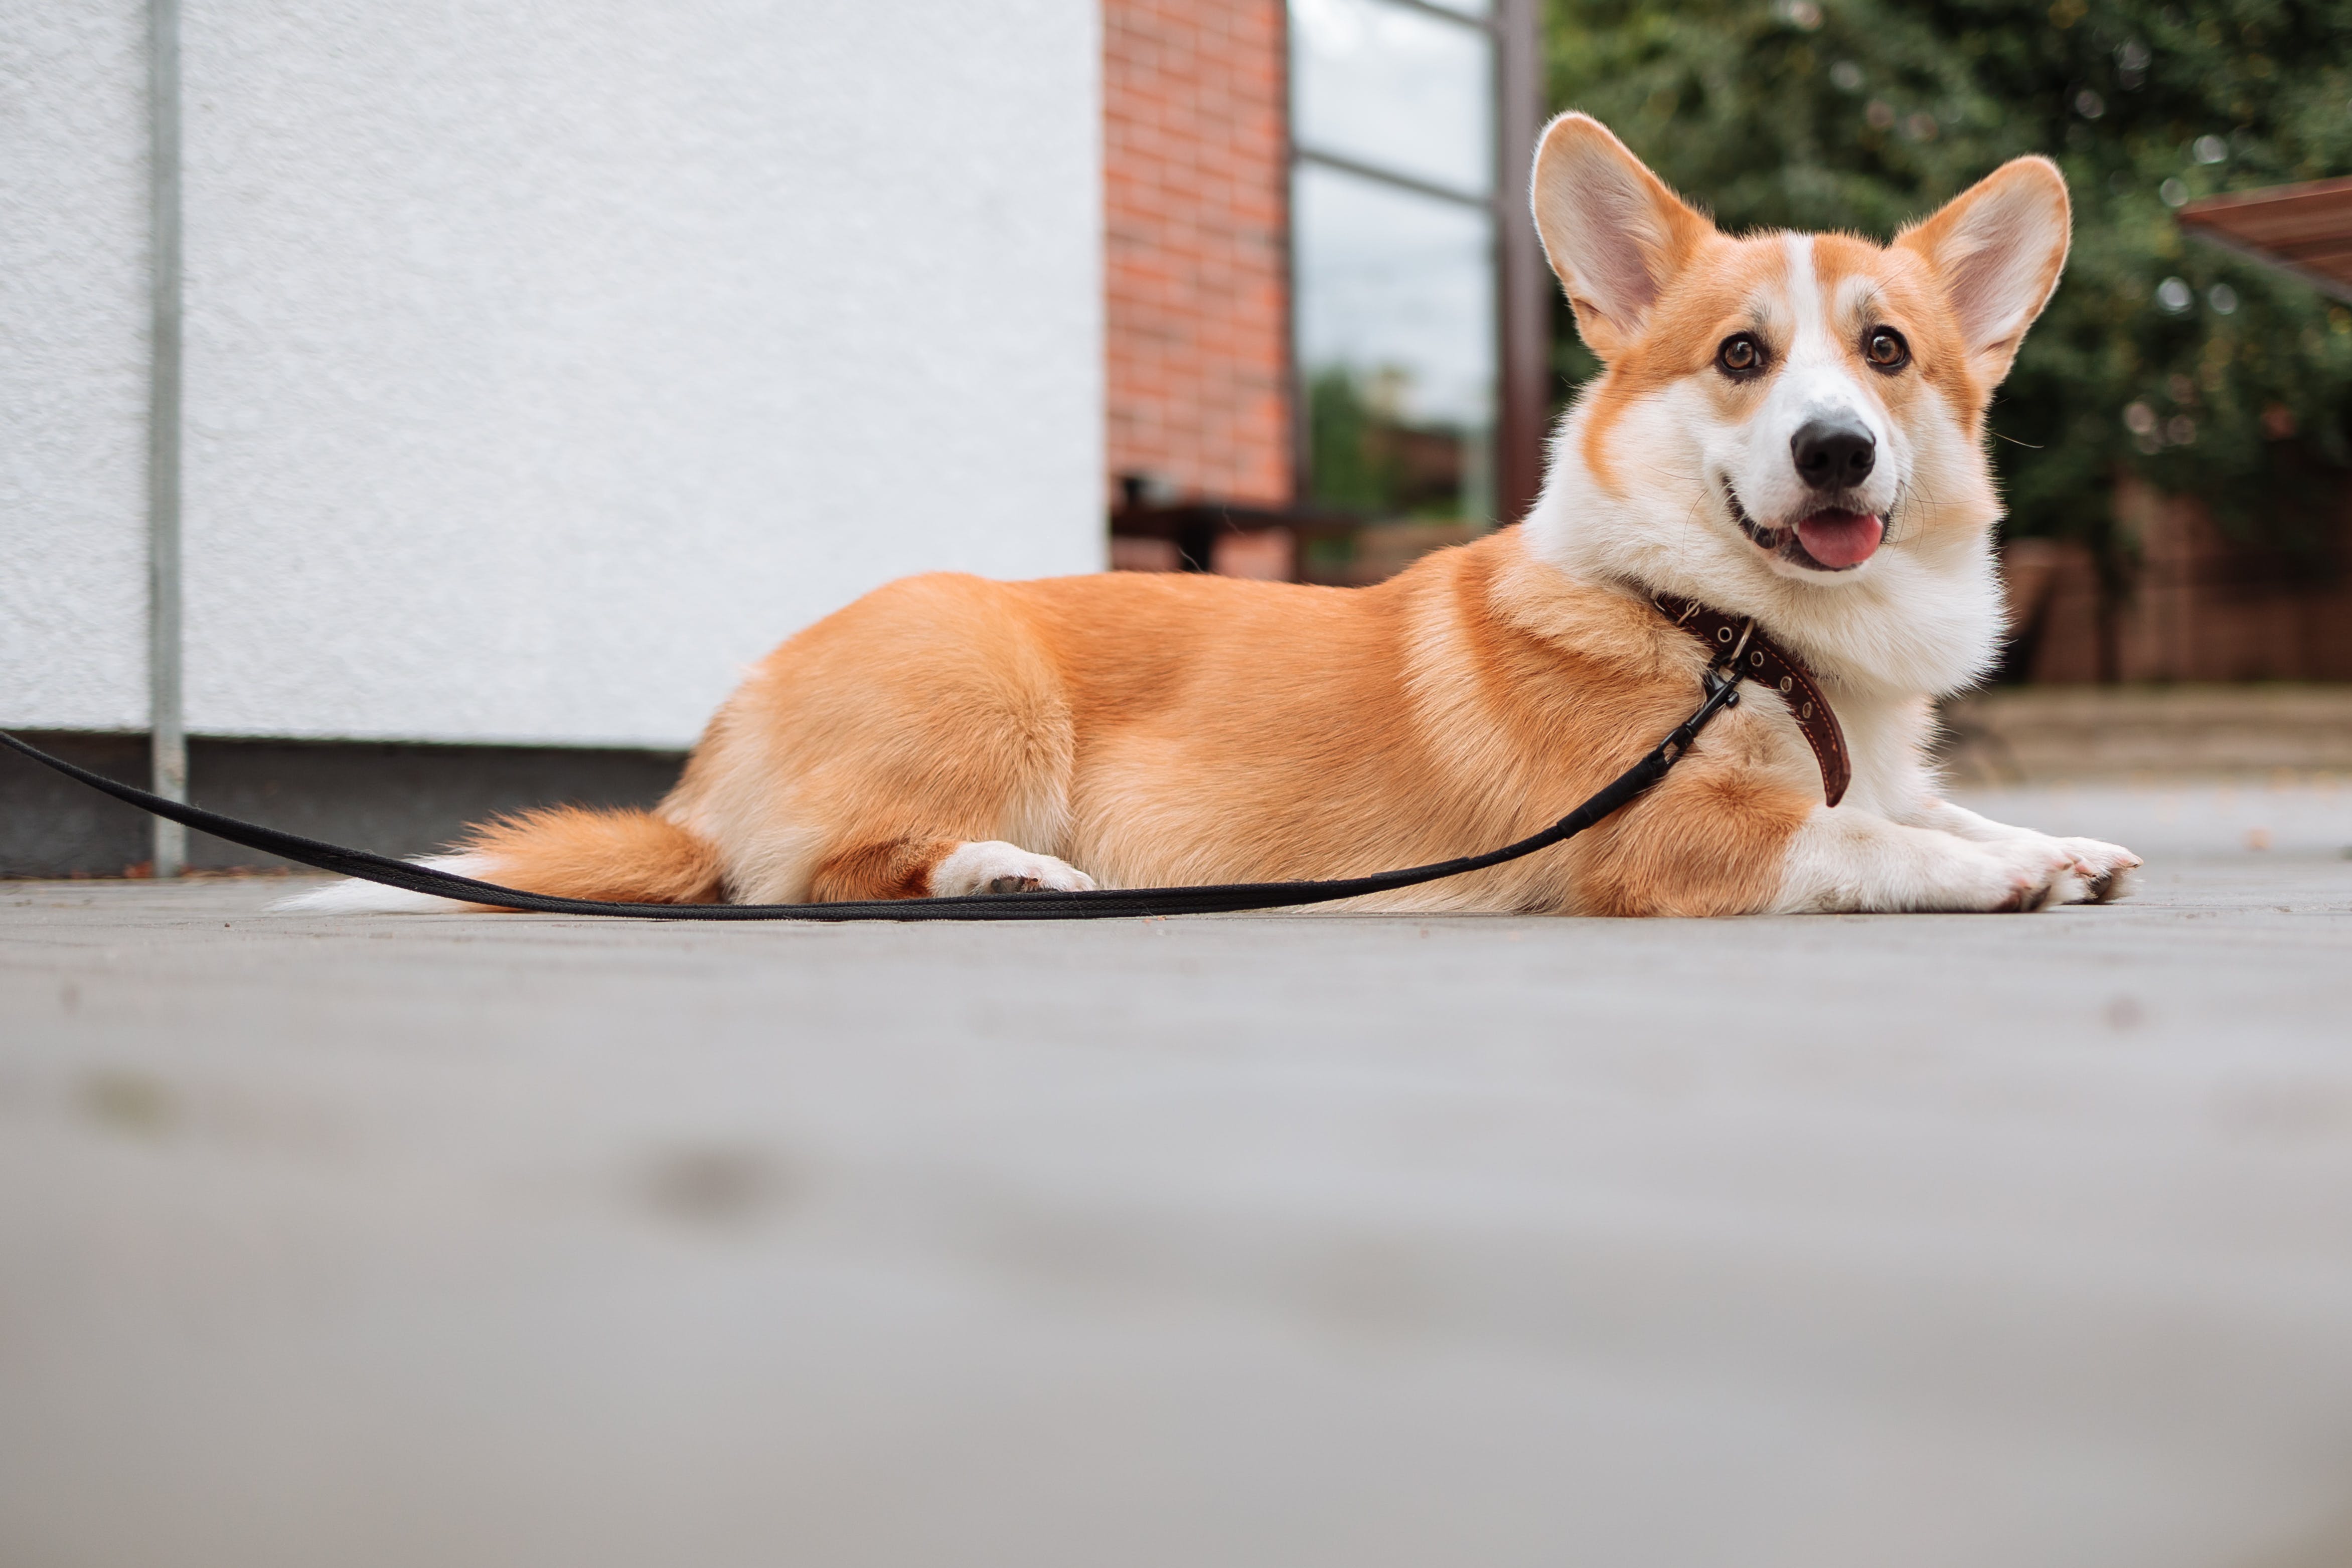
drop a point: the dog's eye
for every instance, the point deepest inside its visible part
(1740, 355)
(1885, 349)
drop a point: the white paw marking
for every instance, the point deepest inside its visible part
(2042, 872)
(2106, 868)
(2097, 872)
(993, 866)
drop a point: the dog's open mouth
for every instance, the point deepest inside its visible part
(1830, 539)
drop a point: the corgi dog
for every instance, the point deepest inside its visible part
(1789, 430)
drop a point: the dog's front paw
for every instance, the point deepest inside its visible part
(2105, 868)
(993, 866)
(2040, 872)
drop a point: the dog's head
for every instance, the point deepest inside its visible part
(1782, 412)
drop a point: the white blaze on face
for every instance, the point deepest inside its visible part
(1816, 378)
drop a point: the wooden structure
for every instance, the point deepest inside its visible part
(2201, 606)
(2304, 230)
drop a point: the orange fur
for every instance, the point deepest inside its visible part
(1907, 296)
(894, 868)
(1724, 285)
(574, 852)
(1163, 729)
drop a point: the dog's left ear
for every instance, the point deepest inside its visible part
(1999, 247)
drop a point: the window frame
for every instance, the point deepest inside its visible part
(1522, 325)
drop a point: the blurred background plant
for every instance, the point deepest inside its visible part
(2207, 375)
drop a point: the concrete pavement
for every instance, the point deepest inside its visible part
(503, 1240)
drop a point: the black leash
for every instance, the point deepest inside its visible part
(1100, 904)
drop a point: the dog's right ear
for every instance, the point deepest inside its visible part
(1613, 232)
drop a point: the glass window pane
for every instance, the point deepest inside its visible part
(1401, 91)
(1396, 344)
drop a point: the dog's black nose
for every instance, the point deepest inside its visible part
(1832, 453)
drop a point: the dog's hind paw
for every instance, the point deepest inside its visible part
(993, 866)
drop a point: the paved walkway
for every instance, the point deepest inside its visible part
(507, 1240)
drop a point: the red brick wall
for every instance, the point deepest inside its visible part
(1196, 199)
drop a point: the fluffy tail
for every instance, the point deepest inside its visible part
(571, 852)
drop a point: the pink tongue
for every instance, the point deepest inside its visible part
(1839, 538)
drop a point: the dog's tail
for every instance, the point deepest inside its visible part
(568, 851)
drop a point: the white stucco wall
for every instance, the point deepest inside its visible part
(73, 364)
(545, 365)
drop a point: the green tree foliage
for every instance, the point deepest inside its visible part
(1346, 471)
(2233, 383)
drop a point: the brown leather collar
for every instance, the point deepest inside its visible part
(1767, 663)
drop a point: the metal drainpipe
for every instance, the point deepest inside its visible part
(169, 741)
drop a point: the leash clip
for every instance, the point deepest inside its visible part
(1726, 672)
(1731, 659)
(1721, 681)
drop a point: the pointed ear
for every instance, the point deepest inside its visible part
(1613, 232)
(1997, 248)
